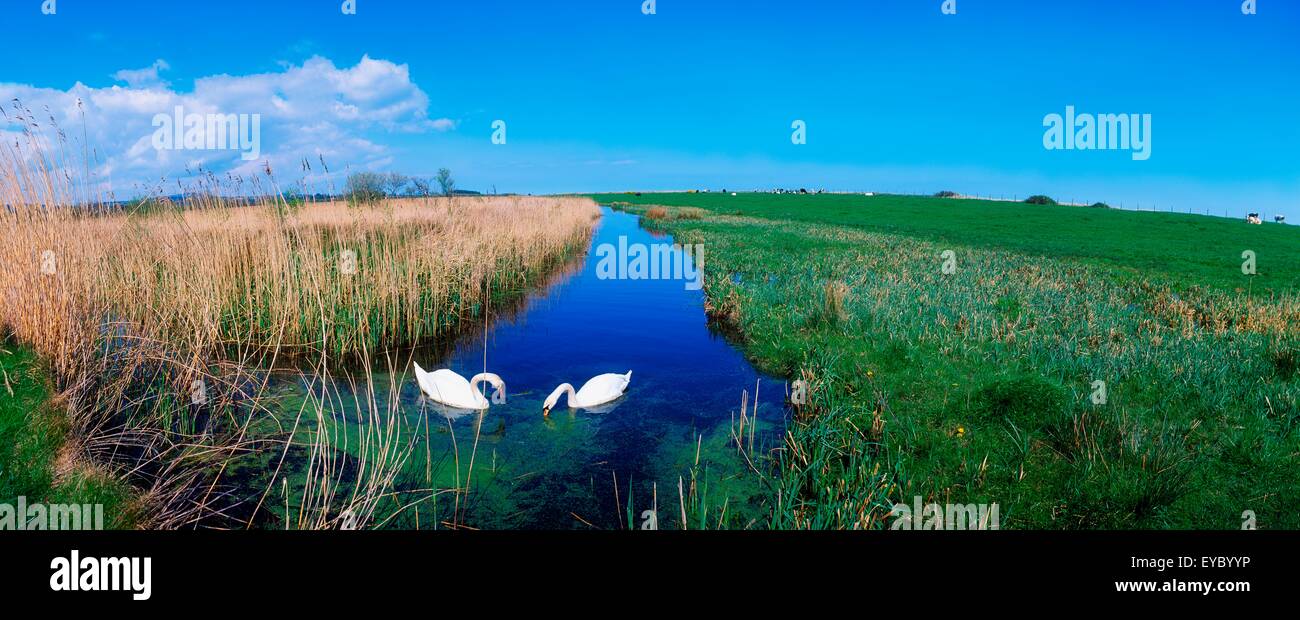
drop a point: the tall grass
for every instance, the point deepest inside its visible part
(161, 319)
(325, 278)
(978, 385)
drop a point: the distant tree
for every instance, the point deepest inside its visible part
(420, 186)
(946, 194)
(1040, 200)
(366, 187)
(394, 183)
(1100, 205)
(445, 181)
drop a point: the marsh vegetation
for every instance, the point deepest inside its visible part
(159, 322)
(980, 384)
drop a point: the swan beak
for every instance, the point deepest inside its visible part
(546, 411)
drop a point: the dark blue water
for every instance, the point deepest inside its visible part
(577, 467)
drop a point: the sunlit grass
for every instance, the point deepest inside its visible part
(35, 458)
(977, 386)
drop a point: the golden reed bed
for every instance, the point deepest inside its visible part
(159, 321)
(320, 277)
(132, 309)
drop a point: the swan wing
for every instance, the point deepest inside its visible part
(602, 389)
(447, 387)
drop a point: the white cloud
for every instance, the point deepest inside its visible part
(143, 78)
(308, 111)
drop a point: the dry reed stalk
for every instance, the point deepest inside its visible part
(133, 306)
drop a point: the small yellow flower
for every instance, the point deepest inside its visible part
(961, 431)
(870, 374)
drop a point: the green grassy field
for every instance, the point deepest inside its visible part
(977, 385)
(1189, 249)
(33, 431)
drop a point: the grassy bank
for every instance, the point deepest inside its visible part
(1189, 249)
(36, 461)
(979, 385)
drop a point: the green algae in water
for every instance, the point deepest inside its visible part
(574, 468)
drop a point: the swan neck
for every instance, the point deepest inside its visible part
(562, 389)
(480, 378)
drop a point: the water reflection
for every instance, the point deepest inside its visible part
(589, 467)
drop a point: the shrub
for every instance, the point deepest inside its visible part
(366, 187)
(1100, 205)
(1027, 401)
(946, 194)
(1040, 199)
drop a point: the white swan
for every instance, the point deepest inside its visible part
(597, 391)
(447, 387)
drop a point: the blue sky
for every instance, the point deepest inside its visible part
(598, 96)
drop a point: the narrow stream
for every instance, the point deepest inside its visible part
(576, 468)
